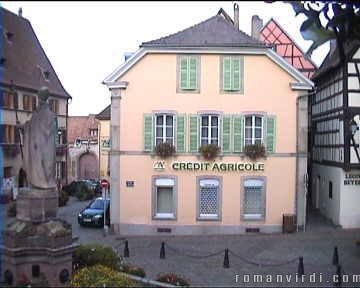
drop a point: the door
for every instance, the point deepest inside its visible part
(88, 167)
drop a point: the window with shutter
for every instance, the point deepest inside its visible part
(232, 73)
(148, 133)
(188, 73)
(209, 130)
(180, 133)
(164, 128)
(238, 133)
(270, 133)
(193, 133)
(226, 133)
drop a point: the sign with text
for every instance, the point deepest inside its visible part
(351, 179)
(214, 167)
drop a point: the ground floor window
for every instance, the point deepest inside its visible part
(164, 198)
(209, 199)
(253, 202)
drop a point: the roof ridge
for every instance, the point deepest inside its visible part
(155, 40)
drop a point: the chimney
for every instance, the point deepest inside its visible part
(256, 25)
(236, 16)
(20, 12)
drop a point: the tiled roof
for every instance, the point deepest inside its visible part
(217, 31)
(25, 59)
(79, 127)
(332, 60)
(105, 114)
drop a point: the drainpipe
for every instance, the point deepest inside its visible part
(67, 140)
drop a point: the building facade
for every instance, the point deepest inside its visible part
(104, 143)
(208, 84)
(24, 69)
(335, 112)
(83, 148)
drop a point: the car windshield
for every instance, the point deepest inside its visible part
(98, 204)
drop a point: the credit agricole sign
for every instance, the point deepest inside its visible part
(206, 166)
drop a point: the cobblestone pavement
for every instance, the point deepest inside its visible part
(184, 254)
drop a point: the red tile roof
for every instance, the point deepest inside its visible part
(79, 127)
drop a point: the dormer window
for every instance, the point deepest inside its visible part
(46, 75)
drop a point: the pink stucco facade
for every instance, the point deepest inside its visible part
(152, 86)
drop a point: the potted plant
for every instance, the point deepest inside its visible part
(165, 149)
(209, 151)
(254, 151)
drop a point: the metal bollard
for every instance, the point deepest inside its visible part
(126, 249)
(339, 276)
(335, 260)
(301, 266)
(162, 250)
(226, 259)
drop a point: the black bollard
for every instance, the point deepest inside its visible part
(301, 266)
(339, 276)
(126, 249)
(335, 256)
(226, 259)
(162, 251)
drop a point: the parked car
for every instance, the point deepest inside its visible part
(93, 214)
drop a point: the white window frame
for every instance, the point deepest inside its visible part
(253, 128)
(254, 216)
(209, 137)
(209, 180)
(164, 126)
(164, 181)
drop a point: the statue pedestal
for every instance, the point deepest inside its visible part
(37, 247)
(36, 205)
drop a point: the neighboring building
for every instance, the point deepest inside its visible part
(24, 69)
(104, 142)
(210, 83)
(335, 112)
(83, 148)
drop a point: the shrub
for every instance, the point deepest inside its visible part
(173, 279)
(133, 270)
(83, 192)
(100, 276)
(70, 188)
(210, 151)
(254, 151)
(11, 211)
(92, 254)
(63, 198)
(165, 149)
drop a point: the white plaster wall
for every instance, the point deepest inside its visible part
(350, 202)
(330, 208)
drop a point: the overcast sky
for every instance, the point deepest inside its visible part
(85, 41)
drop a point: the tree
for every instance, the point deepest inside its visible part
(339, 20)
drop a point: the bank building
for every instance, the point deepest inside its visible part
(208, 84)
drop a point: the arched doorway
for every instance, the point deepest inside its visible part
(88, 166)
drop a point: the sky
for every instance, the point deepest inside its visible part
(86, 41)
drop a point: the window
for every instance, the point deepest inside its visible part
(253, 200)
(7, 172)
(232, 73)
(330, 190)
(29, 103)
(209, 199)
(7, 100)
(164, 198)
(209, 130)
(189, 72)
(54, 105)
(164, 129)
(93, 132)
(253, 129)
(8, 134)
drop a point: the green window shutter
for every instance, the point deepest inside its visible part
(238, 133)
(241, 71)
(235, 67)
(184, 73)
(226, 124)
(192, 73)
(148, 132)
(193, 129)
(270, 133)
(180, 133)
(227, 73)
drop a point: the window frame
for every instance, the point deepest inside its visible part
(178, 74)
(210, 115)
(219, 202)
(241, 73)
(253, 127)
(158, 216)
(248, 217)
(164, 126)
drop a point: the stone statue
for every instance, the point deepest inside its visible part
(39, 145)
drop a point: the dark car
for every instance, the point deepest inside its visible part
(93, 214)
